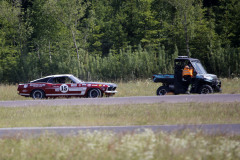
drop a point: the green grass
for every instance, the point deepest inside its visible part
(109, 146)
(231, 86)
(134, 114)
(125, 89)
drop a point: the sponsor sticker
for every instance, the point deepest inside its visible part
(73, 85)
(78, 89)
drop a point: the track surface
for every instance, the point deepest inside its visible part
(126, 100)
(226, 129)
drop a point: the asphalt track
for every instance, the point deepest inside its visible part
(208, 98)
(232, 129)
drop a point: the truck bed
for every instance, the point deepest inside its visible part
(163, 78)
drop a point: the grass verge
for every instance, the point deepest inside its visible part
(108, 146)
(134, 114)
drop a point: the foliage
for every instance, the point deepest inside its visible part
(116, 39)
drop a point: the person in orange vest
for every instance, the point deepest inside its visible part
(187, 72)
(187, 75)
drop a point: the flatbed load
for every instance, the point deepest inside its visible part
(163, 78)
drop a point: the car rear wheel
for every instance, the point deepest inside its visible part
(38, 94)
(94, 93)
(163, 90)
(206, 89)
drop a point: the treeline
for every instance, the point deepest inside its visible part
(116, 39)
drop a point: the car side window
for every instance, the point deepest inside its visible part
(61, 80)
(68, 80)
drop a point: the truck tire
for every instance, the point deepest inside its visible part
(163, 90)
(205, 89)
(38, 94)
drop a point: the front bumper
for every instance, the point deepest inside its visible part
(110, 92)
(217, 86)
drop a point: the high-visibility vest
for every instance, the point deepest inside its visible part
(187, 71)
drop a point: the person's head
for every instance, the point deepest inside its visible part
(187, 66)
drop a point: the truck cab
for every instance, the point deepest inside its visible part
(201, 82)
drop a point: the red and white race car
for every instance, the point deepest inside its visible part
(65, 85)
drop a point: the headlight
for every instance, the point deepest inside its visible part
(209, 78)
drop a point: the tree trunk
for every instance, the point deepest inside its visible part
(50, 56)
(186, 34)
(75, 43)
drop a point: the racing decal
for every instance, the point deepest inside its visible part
(73, 85)
(37, 85)
(89, 85)
(70, 94)
(63, 88)
(25, 85)
(78, 89)
(94, 85)
(83, 92)
(57, 89)
(83, 84)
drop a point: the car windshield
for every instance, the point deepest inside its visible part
(199, 68)
(76, 80)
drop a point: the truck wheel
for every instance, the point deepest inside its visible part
(163, 90)
(38, 94)
(94, 93)
(205, 89)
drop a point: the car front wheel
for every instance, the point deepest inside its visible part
(206, 89)
(94, 93)
(38, 94)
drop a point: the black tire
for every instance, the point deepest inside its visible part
(163, 90)
(205, 89)
(94, 93)
(38, 94)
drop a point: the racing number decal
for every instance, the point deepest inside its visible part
(64, 88)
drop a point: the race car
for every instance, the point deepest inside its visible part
(65, 85)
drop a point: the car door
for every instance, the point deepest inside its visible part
(65, 86)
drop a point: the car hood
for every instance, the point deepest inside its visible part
(207, 76)
(102, 83)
